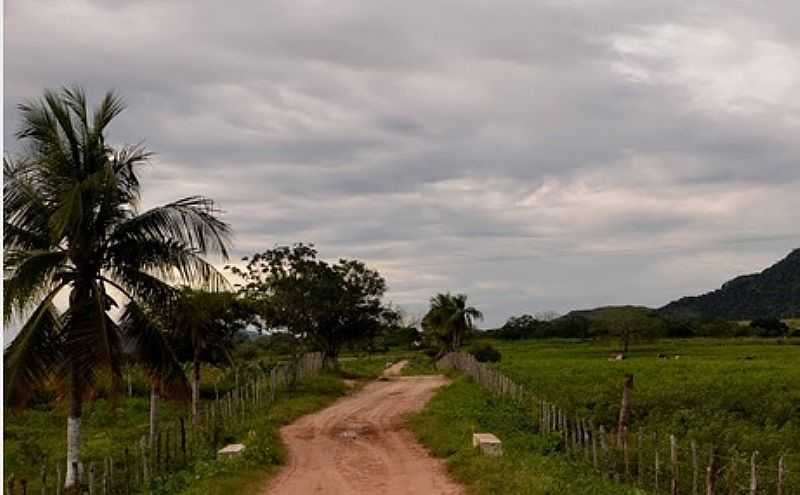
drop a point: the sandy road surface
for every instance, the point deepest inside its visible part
(360, 445)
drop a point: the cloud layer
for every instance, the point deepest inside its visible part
(534, 156)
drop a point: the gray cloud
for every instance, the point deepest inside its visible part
(546, 155)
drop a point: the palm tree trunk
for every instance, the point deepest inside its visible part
(155, 398)
(73, 475)
(196, 390)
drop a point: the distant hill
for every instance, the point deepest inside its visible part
(773, 293)
(611, 314)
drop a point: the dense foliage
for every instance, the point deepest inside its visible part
(325, 304)
(775, 293)
(484, 352)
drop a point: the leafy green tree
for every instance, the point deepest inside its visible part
(72, 223)
(449, 320)
(326, 305)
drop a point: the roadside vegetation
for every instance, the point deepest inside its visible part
(530, 463)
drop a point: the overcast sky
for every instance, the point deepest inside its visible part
(533, 155)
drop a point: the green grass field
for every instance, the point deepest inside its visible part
(741, 395)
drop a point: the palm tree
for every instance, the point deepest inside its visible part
(449, 319)
(206, 321)
(72, 223)
(148, 338)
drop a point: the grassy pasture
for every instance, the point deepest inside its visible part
(740, 394)
(528, 466)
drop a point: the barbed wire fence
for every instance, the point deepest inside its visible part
(648, 460)
(176, 445)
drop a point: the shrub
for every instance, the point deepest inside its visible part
(485, 352)
(769, 327)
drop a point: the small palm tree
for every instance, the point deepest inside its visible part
(206, 321)
(449, 319)
(147, 336)
(72, 223)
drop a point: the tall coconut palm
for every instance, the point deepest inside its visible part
(72, 224)
(449, 319)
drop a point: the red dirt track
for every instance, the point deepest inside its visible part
(361, 445)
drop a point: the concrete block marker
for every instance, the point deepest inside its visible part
(232, 450)
(489, 444)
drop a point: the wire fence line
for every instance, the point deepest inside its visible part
(658, 463)
(176, 445)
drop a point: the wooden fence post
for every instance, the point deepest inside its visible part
(594, 445)
(673, 459)
(183, 439)
(24, 485)
(712, 472)
(78, 477)
(733, 488)
(11, 484)
(657, 463)
(625, 409)
(58, 479)
(639, 457)
(585, 429)
(145, 463)
(604, 447)
(753, 473)
(91, 478)
(43, 479)
(626, 457)
(694, 467)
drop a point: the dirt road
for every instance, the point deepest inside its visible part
(361, 445)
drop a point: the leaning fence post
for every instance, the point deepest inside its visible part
(781, 476)
(712, 472)
(58, 479)
(753, 473)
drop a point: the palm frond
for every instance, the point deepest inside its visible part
(31, 274)
(192, 221)
(34, 355)
(144, 334)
